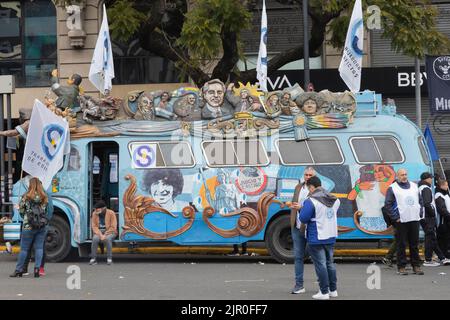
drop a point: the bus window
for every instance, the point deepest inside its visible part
(177, 154)
(312, 151)
(294, 153)
(235, 153)
(389, 149)
(250, 153)
(376, 150)
(423, 151)
(325, 151)
(167, 154)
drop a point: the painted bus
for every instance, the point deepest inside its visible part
(182, 183)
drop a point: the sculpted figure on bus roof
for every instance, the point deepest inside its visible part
(245, 102)
(146, 107)
(186, 108)
(288, 106)
(310, 103)
(215, 106)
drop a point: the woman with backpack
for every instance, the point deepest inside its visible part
(36, 209)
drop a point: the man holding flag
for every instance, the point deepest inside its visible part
(101, 72)
(351, 63)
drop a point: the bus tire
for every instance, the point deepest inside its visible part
(58, 244)
(279, 239)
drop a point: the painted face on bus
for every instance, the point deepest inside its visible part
(214, 95)
(161, 192)
(191, 99)
(244, 94)
(309, 106)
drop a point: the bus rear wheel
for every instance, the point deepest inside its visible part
(58, 244)
(279, 239)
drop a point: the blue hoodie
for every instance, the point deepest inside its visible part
(308, 212)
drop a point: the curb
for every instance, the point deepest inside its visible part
(225, 250)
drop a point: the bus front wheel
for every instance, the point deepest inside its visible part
(279, 239)
(58, 245)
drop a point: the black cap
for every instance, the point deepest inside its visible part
(99, 204)
(425, 176)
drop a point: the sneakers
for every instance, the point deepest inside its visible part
(246, 254)
(418, 271)
(109, 262)
(320, 296)
(233, 254)
(298, 289)
(41, 271)
(431, 264)
(333, 294)
(387, 262)
(445, 262)
(93, 262)
(402, 272)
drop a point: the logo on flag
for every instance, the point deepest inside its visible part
(143, 156)
(441, 68)
(52, 137)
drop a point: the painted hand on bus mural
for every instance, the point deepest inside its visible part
(360, 186)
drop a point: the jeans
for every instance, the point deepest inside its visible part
(431, 244)
(31, 238)
(322, 256)
(108, 241)
(299, 242)
(408, 235)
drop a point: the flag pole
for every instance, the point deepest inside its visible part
(418, 94)
(305, 44)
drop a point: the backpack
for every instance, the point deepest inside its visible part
(37, 216)
(386, 216)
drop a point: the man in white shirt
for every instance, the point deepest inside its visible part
(298, 236)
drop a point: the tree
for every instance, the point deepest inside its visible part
(207, 36)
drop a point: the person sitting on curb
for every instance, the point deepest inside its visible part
(104, 228)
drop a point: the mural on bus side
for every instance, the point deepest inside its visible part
(221, 193)
(369, 193)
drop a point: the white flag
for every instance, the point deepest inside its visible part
(101, 72)
(47, 142)
(351, 63)
(261, 66)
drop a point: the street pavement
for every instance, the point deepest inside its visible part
(213, 277)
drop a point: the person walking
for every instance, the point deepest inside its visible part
(298, 231)
(36, 211)
(405, 208)
(319, 213)
(442, 199)
(429, 223)
(104, 227)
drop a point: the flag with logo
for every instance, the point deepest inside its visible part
(47, 141)
(351, 63)
(438, 77)
(431, 145)
(261, 66)
(101, 72)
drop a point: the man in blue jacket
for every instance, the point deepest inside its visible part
(405, 206)
(319, 213)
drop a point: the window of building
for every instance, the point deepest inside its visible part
(28, 47)
(314, 151)
(224, 153)
(376, 150)
(135, 65)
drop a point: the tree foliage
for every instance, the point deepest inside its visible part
(202, 37)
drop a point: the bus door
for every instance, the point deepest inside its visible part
(103, 176)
